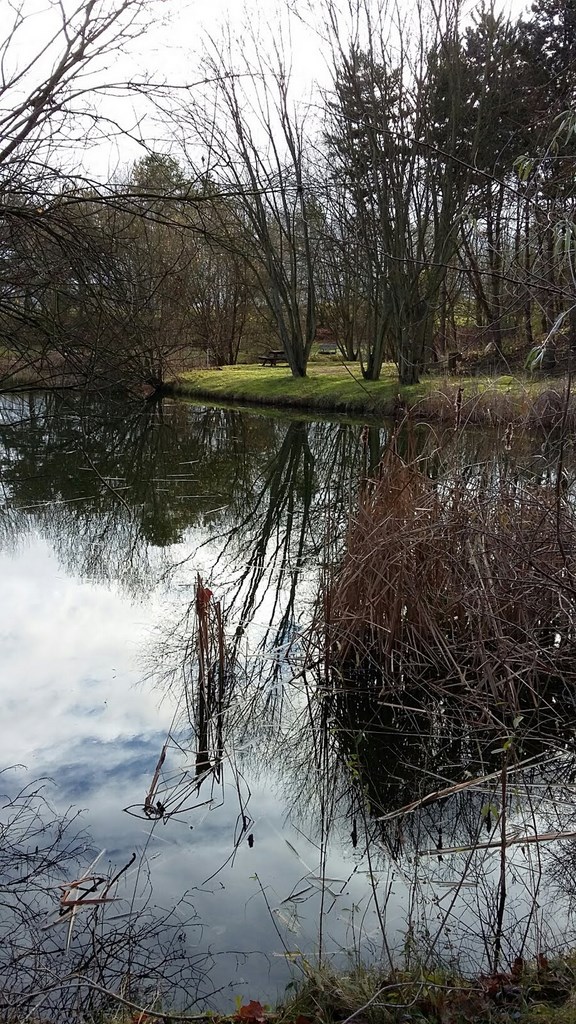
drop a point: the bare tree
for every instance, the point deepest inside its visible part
(394, 127)
(56, 90)
(48, 94)
(251, 136)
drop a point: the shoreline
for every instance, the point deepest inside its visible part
(456, 400)
(542, 992)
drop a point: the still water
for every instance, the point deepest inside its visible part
(270, 834)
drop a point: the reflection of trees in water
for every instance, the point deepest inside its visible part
(300, 494)
(265, 500)
(265, 544)
(85, 479)
(275, 535)
(346, 760)
(107, 482)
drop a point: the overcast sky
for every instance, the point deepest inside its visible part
(169, 52)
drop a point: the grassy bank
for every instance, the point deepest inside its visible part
(341, 389)
(544, 992)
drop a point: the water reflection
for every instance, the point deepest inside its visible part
(256, 782)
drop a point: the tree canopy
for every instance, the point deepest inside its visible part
(429, 188)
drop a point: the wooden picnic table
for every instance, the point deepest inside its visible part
(273, 357)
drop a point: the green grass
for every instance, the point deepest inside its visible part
(326, 387)
(341, 389)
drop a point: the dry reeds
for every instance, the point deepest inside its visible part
(492, 404)
(459, 586)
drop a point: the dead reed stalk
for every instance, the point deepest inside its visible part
(456, 586)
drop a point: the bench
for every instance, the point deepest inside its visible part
(273, 357)
(328, 349)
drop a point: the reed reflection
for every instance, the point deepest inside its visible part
(242, 520)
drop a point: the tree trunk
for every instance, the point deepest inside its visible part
(408, 362)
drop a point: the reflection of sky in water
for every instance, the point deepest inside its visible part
(68, 656)
(74, 710)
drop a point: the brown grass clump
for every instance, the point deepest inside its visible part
(498, 401)
(456, 585)
(528, 993)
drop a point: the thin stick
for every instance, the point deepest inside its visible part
(544, 837)
(439, 794)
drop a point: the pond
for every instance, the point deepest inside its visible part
(166, 710)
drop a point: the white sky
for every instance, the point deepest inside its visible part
(168, 52)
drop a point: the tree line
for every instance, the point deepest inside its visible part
(425, 190)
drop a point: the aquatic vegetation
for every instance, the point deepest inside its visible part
(383, 777)
(447, 634)
(76, 932)
(458, 586)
